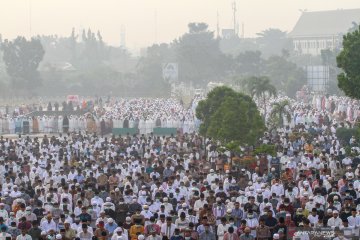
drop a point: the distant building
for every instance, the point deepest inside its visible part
(316, 31)
(228, 33)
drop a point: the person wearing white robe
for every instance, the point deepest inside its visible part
(12, 126)
(60, 124)
(71, 124)
(142, 127)
(148, 126)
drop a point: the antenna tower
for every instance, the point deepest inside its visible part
(234, 13)
(217, 25)
(123, 36)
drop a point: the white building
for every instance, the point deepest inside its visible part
(316, 31)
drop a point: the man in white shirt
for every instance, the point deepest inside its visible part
(318, 198)
(199, 203)
(24, 235)
(313, 218)
(48, 224)
(84, 234)
(354, 221)
(146, 213)
(119, 234)
(335, 221)
(15, 193)
(277, 188)
(211, 176)
(346, 161)
(168, 228)
(3, 213)
(310, 204)
(168, 206)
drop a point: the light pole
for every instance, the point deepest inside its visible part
(30, 30)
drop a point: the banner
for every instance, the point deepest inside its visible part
(170, 72)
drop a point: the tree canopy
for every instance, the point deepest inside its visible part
(281, 110)
(349, 61)
(272, 41)
(22, 58)
(282, 73)
(230, 116)
(260, 88)
(199, 56)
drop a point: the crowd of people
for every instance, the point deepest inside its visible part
(82, 185)
(142, 114)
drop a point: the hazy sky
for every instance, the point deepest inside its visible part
(138, 16)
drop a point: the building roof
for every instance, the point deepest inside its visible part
(325, 23)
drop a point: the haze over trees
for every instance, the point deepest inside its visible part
(82, 63)
(22, 59)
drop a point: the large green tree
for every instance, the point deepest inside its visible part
(349, 61)
(22, 58)
(229, 116)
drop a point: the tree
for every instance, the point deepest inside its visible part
(199, 56)
(285, 75)
(349, 61)
(272, 41)
(281, 110)
(73, 47)
(261, 88)
(355, 26)
(249, 63)
(94, 52)
(149, 67)
(22, 59)
(229, 116)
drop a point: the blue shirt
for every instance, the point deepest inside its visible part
(111, 228)
(79, 178)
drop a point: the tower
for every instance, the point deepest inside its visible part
(30, 19)
(156, 27)
(217, 25)
(234, 15)
(123, 37)
(242, 30)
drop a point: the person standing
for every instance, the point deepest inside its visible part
(246, 235)
(262, 231)
(23, 235)
(65, 124)
(168, 228)
(231, 235)
(207, 234)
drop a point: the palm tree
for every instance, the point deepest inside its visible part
(281, 110)
(261, 88)
(355, 26)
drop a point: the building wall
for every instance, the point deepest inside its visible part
(314, 45)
